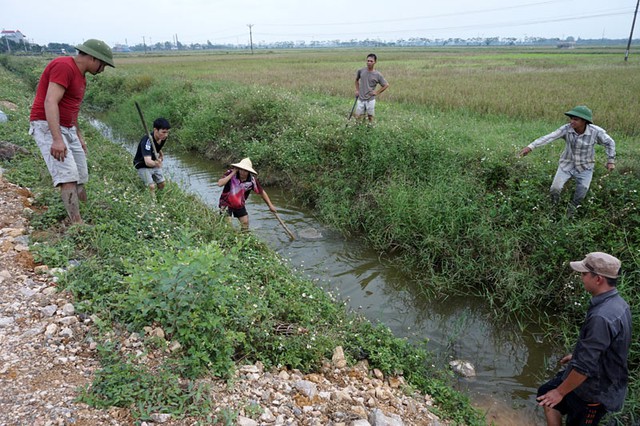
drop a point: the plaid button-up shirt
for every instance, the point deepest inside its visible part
(579, 152)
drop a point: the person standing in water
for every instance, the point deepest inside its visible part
(238, 182)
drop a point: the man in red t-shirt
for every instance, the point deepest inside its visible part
(54, 120)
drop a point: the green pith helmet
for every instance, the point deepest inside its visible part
(581, 111)
(98, 49)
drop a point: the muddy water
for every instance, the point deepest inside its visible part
(509, 362)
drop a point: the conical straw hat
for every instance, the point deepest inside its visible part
(245, 164)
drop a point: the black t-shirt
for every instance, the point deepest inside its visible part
(145, 150)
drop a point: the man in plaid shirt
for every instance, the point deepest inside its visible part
(578, 158)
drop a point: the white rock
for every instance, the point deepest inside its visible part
(7, 321)
(14, 232)
(27, 292)
(338, 358)
(341, 395)
(51, 329)
(267, 416)
(378, 418)
(378, 374)
(68, 309)
(245, 421)
(464, 368)
(249, 369)
(283, 375)
(49, 311)
(66, 332)
(160, 418)
(307, 388)
(49, 291)
(68, 320)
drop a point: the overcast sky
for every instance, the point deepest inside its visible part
(198, 21)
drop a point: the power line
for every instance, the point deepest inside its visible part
(461, 27)
(416, 18)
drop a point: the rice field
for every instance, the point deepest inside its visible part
(535, 83)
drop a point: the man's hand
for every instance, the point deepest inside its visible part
(550, 399)
(526, 150)
(58, 150)
(611, 166)
(565, 359)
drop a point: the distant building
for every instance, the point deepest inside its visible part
(566, 44)
(121, 48)
(15, 36)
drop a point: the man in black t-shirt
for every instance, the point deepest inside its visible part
(148, 164)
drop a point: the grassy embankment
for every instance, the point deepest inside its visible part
(175, 264)
(437, 181)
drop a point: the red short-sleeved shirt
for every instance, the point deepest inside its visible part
(65, 72)
(235, 193)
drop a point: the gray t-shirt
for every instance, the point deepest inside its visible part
(368, 82)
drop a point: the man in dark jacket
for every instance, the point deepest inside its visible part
(596, 378)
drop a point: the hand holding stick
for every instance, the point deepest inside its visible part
(293, 237)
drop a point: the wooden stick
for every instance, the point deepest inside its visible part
(293, 237)
(146, 130)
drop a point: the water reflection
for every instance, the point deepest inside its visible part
(509, 362)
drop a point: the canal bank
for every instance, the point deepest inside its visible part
(510, 360)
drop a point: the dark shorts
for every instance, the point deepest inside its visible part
(578, 411)
(241, 212)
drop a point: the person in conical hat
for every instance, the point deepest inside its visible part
(238, 182)
(577, 161)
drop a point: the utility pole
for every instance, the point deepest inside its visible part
(633, 24)
(251, 36)
(144, 43)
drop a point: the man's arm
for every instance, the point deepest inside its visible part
(382, 89)
(543, 140)
(609, 147)
(226, 178)
(554, 396)
(266, 199)
(151, 163)
(55, 92)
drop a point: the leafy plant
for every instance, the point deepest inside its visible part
(122, 383)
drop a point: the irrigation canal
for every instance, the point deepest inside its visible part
(510, 363)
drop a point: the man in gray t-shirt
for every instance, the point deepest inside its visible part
(367, 81)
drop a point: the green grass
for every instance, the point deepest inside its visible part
(176, 264)
(521, 83)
